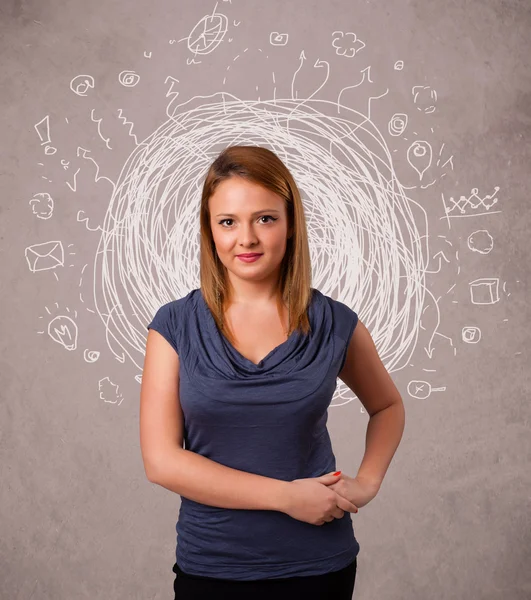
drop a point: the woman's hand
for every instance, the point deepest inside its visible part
(313, 501)
(358, 490)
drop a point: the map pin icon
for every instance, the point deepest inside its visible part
(419, 156)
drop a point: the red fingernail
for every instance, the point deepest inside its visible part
(337, 473)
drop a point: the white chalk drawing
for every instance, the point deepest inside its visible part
(91, 356)
(171, 93)
(485, 290)
(397, 124)
(422, 389)
(424, 98)
(375, 234)
(45, 256)
(83, 153)
(63, 330)
(481, 241)
(208, 34)
(448, 161)
(470, 206)
(42, 205)
(85, 220)
(471, 335)
(98, 121)
(110, 392)
(43, 131)
(346, 44)
(319, 64)
(278, 39)
(81, 283)
(73, 186)
(128, 78)
(81, 84)
(126, 122)
(366, 76)
(419, 156)
(367, 204)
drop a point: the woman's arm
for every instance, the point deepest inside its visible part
(187, 473)
(365, 374)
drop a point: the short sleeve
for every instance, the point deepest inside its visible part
(346, 321)
(166, 322)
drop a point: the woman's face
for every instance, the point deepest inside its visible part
(247, 218)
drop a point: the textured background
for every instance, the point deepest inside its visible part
(111, 112)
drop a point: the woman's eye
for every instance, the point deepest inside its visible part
(262, 217)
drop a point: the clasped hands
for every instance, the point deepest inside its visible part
(357, 490)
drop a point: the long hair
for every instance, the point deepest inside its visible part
(261, 166)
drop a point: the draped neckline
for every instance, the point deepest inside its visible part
(271, 359)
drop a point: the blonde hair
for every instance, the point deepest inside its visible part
(261, 166)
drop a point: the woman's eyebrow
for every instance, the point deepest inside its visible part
(252, 215)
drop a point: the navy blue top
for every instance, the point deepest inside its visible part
(267, 418)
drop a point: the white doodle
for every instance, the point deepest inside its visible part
(481, 241)
(369, 198)
(81, 84)
(45, 256)
(83, 152)
(109, 391)
(424, 97)
(65, 164)
(63, 330)
(208, 34)
(419, 156)
(147, 54)
(278, 39)
(128, 78)
(399, 65)
(318, 64)
(98, 121)
(397, 124)
(91, 356)
(43, 130)
(74, 187)
(42, 205)
(485, 290)
(470, 206)
(471, 335)
(422, 389)
(346, 44)
(126, 122)
(171, 93)
(85, 220)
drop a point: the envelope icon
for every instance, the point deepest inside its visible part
(47, 255)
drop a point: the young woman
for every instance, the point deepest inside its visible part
(237, 380)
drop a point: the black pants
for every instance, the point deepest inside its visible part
(338, 585)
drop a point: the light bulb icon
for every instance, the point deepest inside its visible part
(63, 330)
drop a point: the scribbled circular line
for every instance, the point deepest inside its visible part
(91, 356)
(366, 246)
(397, 125)
(128, 78)
(81, 84)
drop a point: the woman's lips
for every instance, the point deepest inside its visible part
(248, 257)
